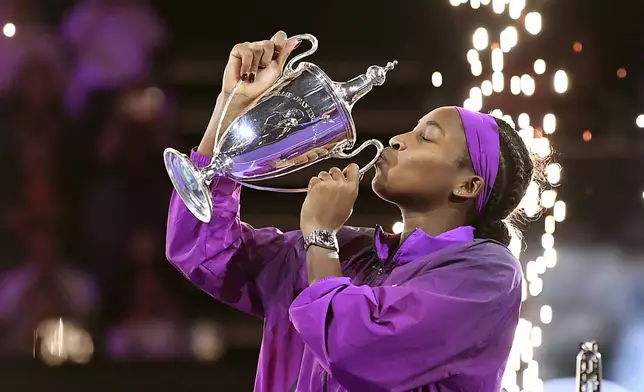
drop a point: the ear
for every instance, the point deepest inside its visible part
(469, 188)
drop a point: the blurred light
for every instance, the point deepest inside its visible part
(207, 342)
(561, 82)
(549, 123)
(486, 88)
(508, 119)
(541, 147)
(455, 3)
(550, 257)
(496, 113)
(480, 39)
(587, 136)
(539, 67)
(577, 47)
(515, 245)
(516, 8)
(546, 314)
(9, 30)
(498, 6)
(621, 73)
(549, 224)
(559, 211)
(497, 60)
(535, 337)
(477, 68)
(531, 271)
(527, 85)
(398, 228)
(515, 85)
(497, 81)
(553, 173)
(639, 121)
(437, 79)
(476, 4)
(527, 135)
(523, 120)
(473, 56)
(508, 39)
(547, 241)
(59, 341)
(533, 23)
(535, 288)
(548, 198)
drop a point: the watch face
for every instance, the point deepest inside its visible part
(326, 237)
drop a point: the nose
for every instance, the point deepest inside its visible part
(396, 142)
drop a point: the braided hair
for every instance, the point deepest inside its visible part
(513, 178)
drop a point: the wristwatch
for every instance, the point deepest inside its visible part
(322, 238)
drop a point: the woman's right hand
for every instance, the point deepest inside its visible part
(259, 64)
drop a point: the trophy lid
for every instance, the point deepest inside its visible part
(357, 87)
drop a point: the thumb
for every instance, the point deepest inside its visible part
(352, 173)
(286, 50)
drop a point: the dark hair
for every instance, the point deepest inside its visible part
(516, 169)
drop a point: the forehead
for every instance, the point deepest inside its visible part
(448, 119)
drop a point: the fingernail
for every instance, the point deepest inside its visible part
(251, 78)
(244, 77)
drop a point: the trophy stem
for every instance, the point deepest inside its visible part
(219, 165)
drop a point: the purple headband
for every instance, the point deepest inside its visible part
(482, 137)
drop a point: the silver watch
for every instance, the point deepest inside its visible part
(322, 238)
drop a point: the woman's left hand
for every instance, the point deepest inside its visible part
(330, 198)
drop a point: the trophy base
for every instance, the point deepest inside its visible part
(190, 184)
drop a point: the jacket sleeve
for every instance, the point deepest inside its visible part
(397, 338)
(228, 258)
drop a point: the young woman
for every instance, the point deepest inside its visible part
(358, 309)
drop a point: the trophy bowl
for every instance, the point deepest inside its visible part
(304, 118)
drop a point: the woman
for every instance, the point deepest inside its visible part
(433, 309)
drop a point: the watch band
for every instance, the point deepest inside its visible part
(323, 239)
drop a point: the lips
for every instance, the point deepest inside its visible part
(386, 155)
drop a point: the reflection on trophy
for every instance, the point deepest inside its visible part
(303, 119)
(589, 368)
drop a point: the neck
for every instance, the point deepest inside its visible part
(432, 222)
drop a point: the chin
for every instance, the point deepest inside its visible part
(379, 186)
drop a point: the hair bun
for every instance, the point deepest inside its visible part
(496, 230)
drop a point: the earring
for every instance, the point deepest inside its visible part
(457, 192)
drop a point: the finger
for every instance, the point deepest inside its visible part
(311, 156)
(258, 52)
(321, 151)
(267, 55)
(336, 174)
(243, 52)
(352, 173)
(324, 176)
(313, 181)
(279, 39)
(286, 50)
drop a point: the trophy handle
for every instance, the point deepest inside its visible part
(336, 154)
(289, 69)
(373, 142)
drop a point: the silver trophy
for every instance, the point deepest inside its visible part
(589, 368)
(303, 119)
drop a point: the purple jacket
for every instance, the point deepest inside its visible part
(435, 314)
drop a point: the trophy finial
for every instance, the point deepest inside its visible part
(378, 74)
(357, 87)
